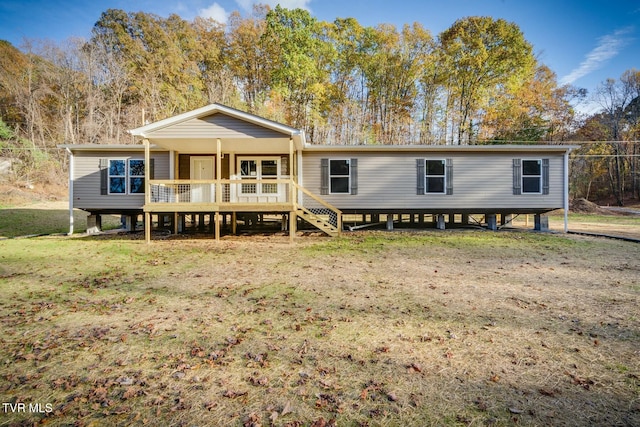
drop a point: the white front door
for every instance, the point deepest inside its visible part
(202, 170)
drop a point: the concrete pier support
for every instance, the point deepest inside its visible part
(130, 222)
(440, 224)
(541, 222)
(492, 222)
(389, 222)
(506, 219)
(94, 224)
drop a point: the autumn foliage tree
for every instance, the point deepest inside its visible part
(341, 82)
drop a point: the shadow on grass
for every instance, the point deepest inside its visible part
(16, 222)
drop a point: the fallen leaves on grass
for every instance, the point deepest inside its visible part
(321, 422)
(585, 383)
(232, 394)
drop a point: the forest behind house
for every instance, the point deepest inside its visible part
(478, 82)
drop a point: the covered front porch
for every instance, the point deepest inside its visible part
(224, 162)
(223, 176)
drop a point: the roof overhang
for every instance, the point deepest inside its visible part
(108, 147)
(498, 148)
(235, 145)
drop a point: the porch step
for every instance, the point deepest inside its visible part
(318, 222)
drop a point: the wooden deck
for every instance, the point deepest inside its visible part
(224, 196)
(218, 207)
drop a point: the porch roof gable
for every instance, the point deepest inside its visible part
(215, 121)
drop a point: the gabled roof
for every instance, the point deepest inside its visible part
(144, 131)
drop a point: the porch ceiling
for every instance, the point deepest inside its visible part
(235, 145)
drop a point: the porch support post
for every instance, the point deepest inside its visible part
(147, 227)
(216, 219)
(147, 173)
(292, 190)
(218, 171)
(147, 191)
(234, 222)
(175, 223)
(293, 220)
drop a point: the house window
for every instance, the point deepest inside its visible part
(532, 176)
(117, 177)
(339, 173)
(269, 169)
(125, 176)
(435, 178)
(259, 169)
(136, 176)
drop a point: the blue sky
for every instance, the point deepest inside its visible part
(583, 41)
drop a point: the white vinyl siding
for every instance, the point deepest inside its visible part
(482, 181)
(218, 124)
(87, 180)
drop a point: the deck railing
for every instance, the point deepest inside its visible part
(323, 209)
(260, 191)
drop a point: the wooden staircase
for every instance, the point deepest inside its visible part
(318, 221)
(327, 219)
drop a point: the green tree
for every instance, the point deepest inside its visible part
(161, 58)
(480, 55)
(618, 99)
(250, 59)
(300, 73)
(536, 110)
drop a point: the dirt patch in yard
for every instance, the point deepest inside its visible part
(585, 206)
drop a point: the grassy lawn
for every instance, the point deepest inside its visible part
(45, 218)
(372, 329)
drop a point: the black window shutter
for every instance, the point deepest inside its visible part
(353, 171)
(517, 177)
(545, 176)
(152, 168)
(449, 176)
(420, 177)
(324, 176)
(104, 176)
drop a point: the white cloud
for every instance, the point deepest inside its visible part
(247, 5)
(608, 47)
(215, 12)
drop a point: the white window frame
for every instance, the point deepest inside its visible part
(127, 175)
(348, 176)
(130, 175)
(523, 176)
(260, 181)
(443, 176)
(109, 176)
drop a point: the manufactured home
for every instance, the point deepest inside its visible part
(216, 167)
